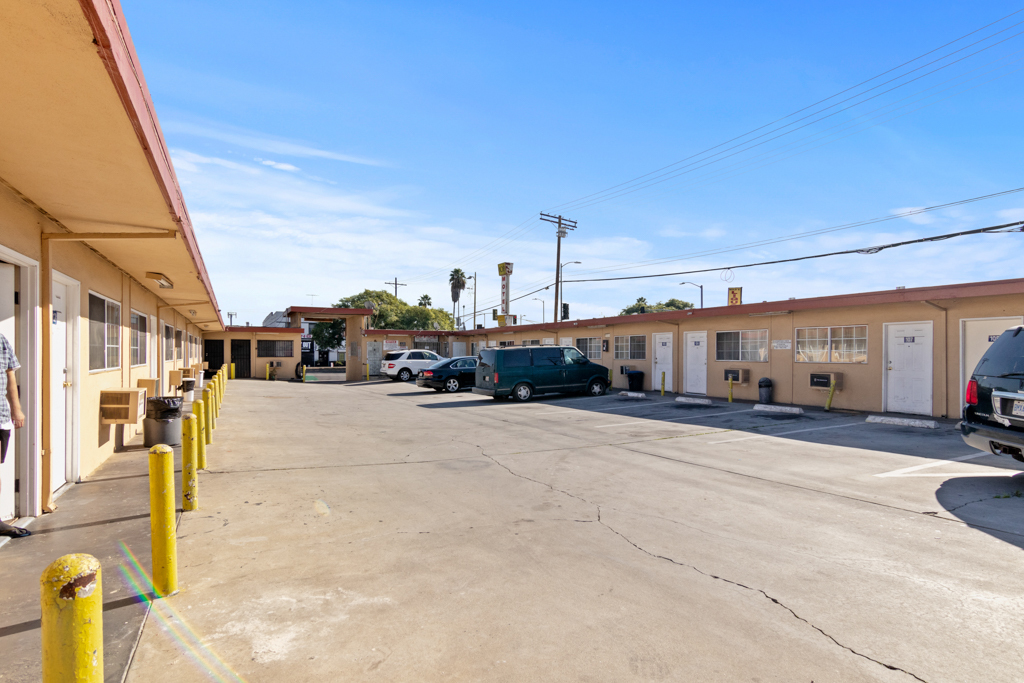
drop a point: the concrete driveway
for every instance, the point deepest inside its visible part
(384, 533)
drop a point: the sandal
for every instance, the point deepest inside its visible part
(13, 531)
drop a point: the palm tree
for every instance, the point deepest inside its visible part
(425, 301)
(457, 280)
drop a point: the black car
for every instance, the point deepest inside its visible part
(451, 374)
(994, 416)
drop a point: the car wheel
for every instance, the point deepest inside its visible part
(451, 384)
(596, 388)
(522, 392)
(404, 375)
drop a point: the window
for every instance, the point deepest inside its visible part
(590, 346)
(632, 347)
(545, 357)
(505, 343)
(748, 345)
(531, 342)
(271, 348)
(416, 355)
(464, 364)
(139, 338)
(573, 356)
(178, 347)
(516, 358)
(848, 344)
(104, 333)
(168, 342)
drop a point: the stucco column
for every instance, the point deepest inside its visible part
(355, 349)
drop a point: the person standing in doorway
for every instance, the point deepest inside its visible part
(11, 417)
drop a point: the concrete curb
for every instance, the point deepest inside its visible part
(697, 401)
(772, 408)
(902, 422)
(632, 394)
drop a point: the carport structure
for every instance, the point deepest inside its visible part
(355, 322)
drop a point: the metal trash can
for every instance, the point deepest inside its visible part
(162, 424)
(188, 386)
(636, 380)
(764, 390)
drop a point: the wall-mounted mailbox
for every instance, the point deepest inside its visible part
(122, 406)
(741, 375)
(823, 380)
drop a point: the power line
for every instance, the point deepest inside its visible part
(1006, 227)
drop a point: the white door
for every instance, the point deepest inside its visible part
(908, 373)
(695, 363)
(975, 337)
(59, 383)
(7, 470)
(662, 360)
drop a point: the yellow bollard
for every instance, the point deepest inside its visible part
(72, 620)
(199, 410)
(831, 393)
(189, 464)
(161, 520)
(730, 389)
(268, 372)
(232, 371)
(367, 372)
(303, 374)
(208, 405)
(663, 383)
(214, 395)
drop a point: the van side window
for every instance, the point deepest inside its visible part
(546, 357)
(415, 355)
(574, 356)
(516, 358)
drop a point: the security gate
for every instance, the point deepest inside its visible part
(241, 358)
(213, 353)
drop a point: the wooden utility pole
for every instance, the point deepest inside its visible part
(564, 224)
(397, 284)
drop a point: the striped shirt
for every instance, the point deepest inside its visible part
(8, 361)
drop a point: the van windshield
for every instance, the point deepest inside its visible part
(487, 358)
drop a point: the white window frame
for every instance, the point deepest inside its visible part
(828, 344)
(106, 340)
(143, 339)
(591, 343)
(627, 352)
(740, 350)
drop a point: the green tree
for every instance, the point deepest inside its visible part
(457, 280)
(328, 335)
(425, 301)
(391, 313)
(670, 305)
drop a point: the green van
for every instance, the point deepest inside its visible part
(522, 371)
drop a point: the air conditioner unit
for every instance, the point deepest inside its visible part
(623, 369)
(741, 376)
(823, 380)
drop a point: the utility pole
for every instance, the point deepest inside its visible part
(476, 286)
(397, 284)
(564, 224)
(231, 318)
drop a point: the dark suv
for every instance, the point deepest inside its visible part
(994, 416)
(521, 372)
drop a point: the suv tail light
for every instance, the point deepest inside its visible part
(495, 378)
(390, 365)
(972, 393)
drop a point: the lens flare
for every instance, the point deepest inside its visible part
(173, 624)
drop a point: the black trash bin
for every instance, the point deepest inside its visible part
(764, 390)
(163, 421)
(636, 380)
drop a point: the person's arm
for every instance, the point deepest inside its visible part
(17, 416)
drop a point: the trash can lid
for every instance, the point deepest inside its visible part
(635, 372)
(764, 382)
(164, 402)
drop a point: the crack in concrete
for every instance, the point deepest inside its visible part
(774, 600)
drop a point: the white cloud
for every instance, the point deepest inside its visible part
(262, 142)
(1011, 214)
(281, 166)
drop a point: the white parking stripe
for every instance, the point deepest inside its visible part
(607, 410)
(915, 468)
(673, 419)
(795, 431)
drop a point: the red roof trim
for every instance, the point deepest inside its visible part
(329, 310)
(264, 330)
(418, 333)
(118, 55)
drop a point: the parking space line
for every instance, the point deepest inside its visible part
(795, 431)
(674, 419)
(607, 410)
(906, 470)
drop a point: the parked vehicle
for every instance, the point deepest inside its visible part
(994, 416)
(404, 365)
(449, 375)
(522, 372)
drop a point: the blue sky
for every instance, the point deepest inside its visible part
(325, 148)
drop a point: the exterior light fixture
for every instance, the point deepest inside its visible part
(192, 312)
(160, 279)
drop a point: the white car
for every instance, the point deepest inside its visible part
(404, 365)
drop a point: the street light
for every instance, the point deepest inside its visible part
(561, 294)
(701, 291)
(543, 317)
(473, 278)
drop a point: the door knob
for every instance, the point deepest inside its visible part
(67, 385)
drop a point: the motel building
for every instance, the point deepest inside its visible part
(103, 290)
(900, 351)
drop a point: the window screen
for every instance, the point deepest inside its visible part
(139, 338)
(168, 342)
(747, 345)
(590, 346)
(847, 344)
(179, 349)
(104, 333)
(272, 348)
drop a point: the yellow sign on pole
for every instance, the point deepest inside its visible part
(501, 320)
(735, 296)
